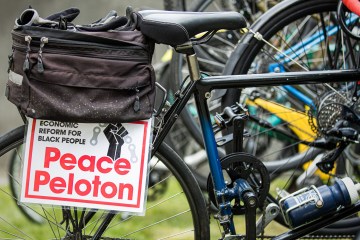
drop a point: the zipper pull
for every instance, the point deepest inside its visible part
(26, 65)
(137, 101)
(11, 61)
(40, 64)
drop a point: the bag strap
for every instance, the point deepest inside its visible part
(114, 24)
(68, 14)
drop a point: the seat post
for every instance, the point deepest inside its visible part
(191, 59)
(193, 66)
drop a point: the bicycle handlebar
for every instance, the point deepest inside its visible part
(353, 6)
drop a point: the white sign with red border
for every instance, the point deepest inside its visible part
(101, 166)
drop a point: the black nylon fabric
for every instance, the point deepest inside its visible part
(98, 77)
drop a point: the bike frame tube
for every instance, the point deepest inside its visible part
(209, 140)
(220, 187)
(290, 89)
(300, 96)
(279, 79)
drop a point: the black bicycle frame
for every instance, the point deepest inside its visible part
(201, 90)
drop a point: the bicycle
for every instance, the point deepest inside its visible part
(229, 198)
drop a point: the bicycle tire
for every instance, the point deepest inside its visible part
(242, 61)
(189, 195)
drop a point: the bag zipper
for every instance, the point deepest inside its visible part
(20, 36)
(11, 61)
(26, 65)
(137, 100)
(83, 53)
(40, 64)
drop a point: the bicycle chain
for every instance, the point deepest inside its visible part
(312, 125)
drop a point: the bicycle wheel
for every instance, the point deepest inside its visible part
(297, 36)
(175, 207)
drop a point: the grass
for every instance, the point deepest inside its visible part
(22, 227)
(9, 209)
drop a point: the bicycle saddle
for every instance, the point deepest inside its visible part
(176, 28)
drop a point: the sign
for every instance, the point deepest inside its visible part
(102, 166)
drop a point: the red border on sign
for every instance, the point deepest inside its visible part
(30, 157)
(27, 195)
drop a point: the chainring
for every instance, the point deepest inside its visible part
(242, 166)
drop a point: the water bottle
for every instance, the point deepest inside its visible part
(309, 204)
